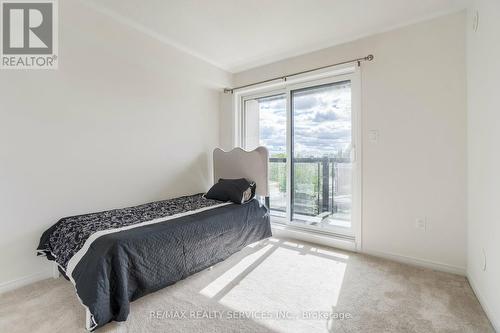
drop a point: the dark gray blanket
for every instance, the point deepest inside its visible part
(125, 264)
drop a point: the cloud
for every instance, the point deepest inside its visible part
(304, 102)
(322, 122)
(322, 116)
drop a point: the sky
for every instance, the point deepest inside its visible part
(321, 121)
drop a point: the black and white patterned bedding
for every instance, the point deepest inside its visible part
(67, 236)
(117, 256)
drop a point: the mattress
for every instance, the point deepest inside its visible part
(114, 257)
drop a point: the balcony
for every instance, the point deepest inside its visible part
(321, 190)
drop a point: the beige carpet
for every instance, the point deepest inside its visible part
(281, 286)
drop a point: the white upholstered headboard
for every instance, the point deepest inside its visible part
(239, 163)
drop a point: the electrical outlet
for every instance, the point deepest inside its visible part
(421, 223)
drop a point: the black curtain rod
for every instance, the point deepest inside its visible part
(285, 77)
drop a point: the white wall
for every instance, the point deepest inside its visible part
(483, 79)
(125, 120)
(414, 94)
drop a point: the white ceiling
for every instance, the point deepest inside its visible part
(239, 34)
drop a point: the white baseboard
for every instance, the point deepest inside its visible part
(438, 266)
(338, 243)
(495, 322)
(28, 279)
(351, 246)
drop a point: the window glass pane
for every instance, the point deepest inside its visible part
(321, 146)
(265, 125)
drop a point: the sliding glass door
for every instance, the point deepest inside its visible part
(314, 123)
(321, 150)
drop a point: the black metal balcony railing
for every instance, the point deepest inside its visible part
(317, 184)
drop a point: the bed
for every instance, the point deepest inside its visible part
(115, 257)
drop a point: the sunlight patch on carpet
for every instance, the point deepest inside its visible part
(282, 277)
